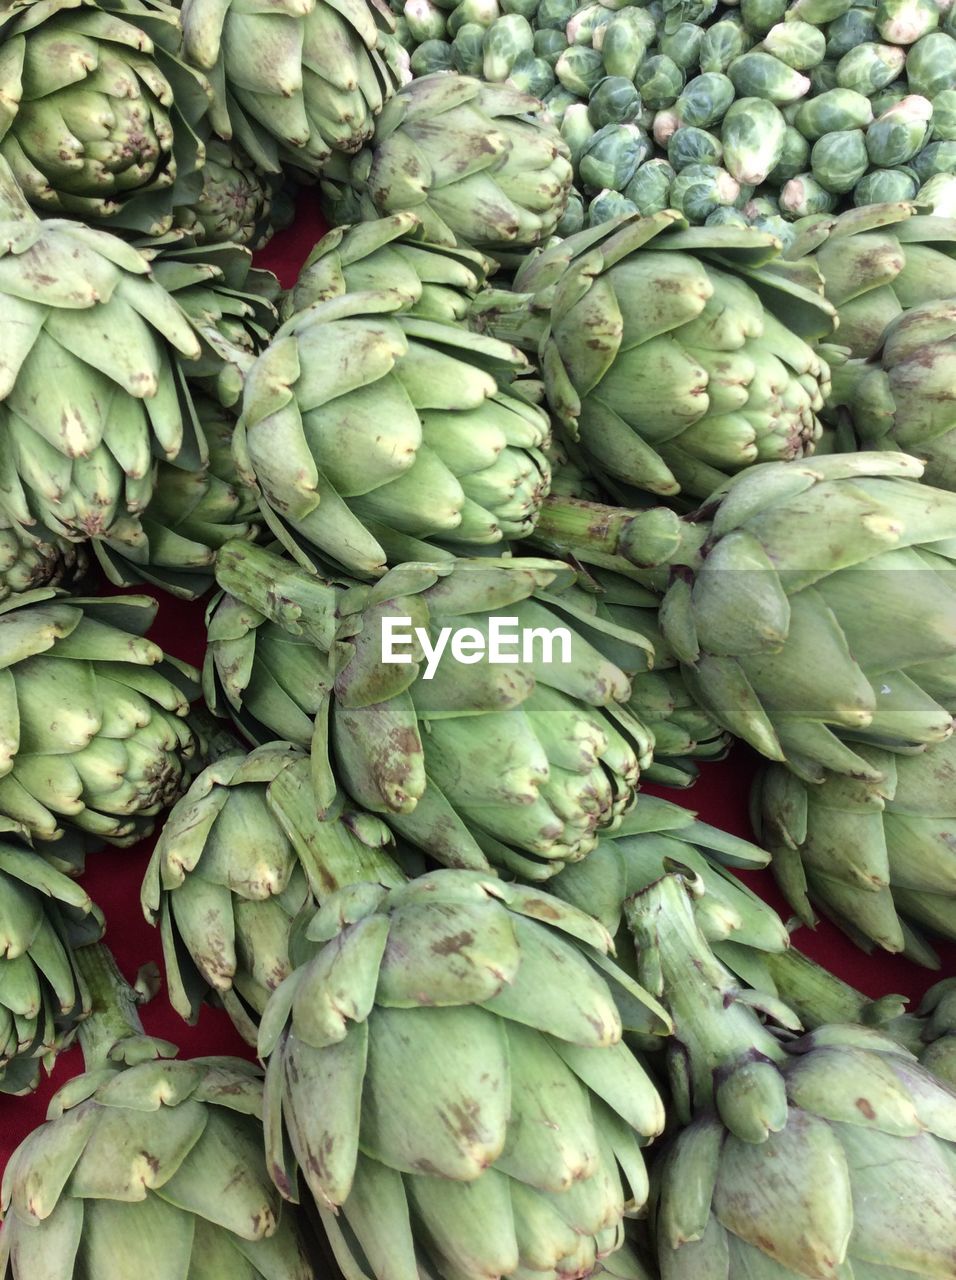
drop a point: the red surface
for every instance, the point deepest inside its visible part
(114, 876)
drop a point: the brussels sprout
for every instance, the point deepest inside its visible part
(906, 21)
(431, 55)
(753, 133)
(760, 15)
(526, 8)
(819, 11)
(761, 75)
(555, 13)
(558, 101)
(467, 49)
(726, 216)
(532, 75)
(585, 22)
(704, 100)
(659, 80)
(885, 186)
(723, 42)
(939, 195)
(608, 205)
(579, 69)
(937, 158)
(899, 133)
(931, 64)
(683, 45)
(693, 146)
(853, 28)
(573, 217)
(549, 44)
(700, 189)
(870, 67)
(403, 34)
(838, 160)
(610, 158)
(577, 130)
(889, 97)
(504, 40)
(823, 77)
(944, 116)
(650, 188)
(624, 42)
(798, 44)
(482, 12)
(613, 100)
(831, 112)
(803, 196)
(425, 20)
(794, 157)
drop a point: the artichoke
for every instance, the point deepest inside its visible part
(511, 1144)
(231, 306)
(661, 350)
(189, 517)
(151, 1168)
(480, 164)
(294, 82)
(372, 433)
(26, 563)
(785, 605)
(90, 389)
(809, 1157)
(875, 853)
(43, 915)
(235, 204)
(101, 119)
(93, 734)
(517, 762)
(241, 856)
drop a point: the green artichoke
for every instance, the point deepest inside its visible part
(240, 858)
(785, 604)
(294, 81)
(372, 433)
(100, 117)
(480, 164)
(662, 350)
(230, 304)
(190, 515)
(799, 1157)
(875, 853)
(26, 563)
(235, 204)
(90, 388)
(436, 282)
(154, 1168)
(516, 762)
(511, 1144)
(43, 915)
(92, 733)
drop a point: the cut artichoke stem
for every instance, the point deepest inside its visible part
(113, 1032)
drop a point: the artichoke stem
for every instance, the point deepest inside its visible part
(646, 539)
(113, 1031)
(712, 1027)
(819, 997)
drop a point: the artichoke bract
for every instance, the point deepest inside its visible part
(100, 117)
(92, 731)
(91, 390)
(514, 1146)
(190, 516)
(480, 164)
(674, 354)
(875, 853)
(43, 915)
(240, 858)
(785, 615)
(521, 760)
(147, 1167)
(372, 433)
(813, 1157)
(296, 80)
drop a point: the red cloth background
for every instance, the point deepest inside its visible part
(113, 877)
